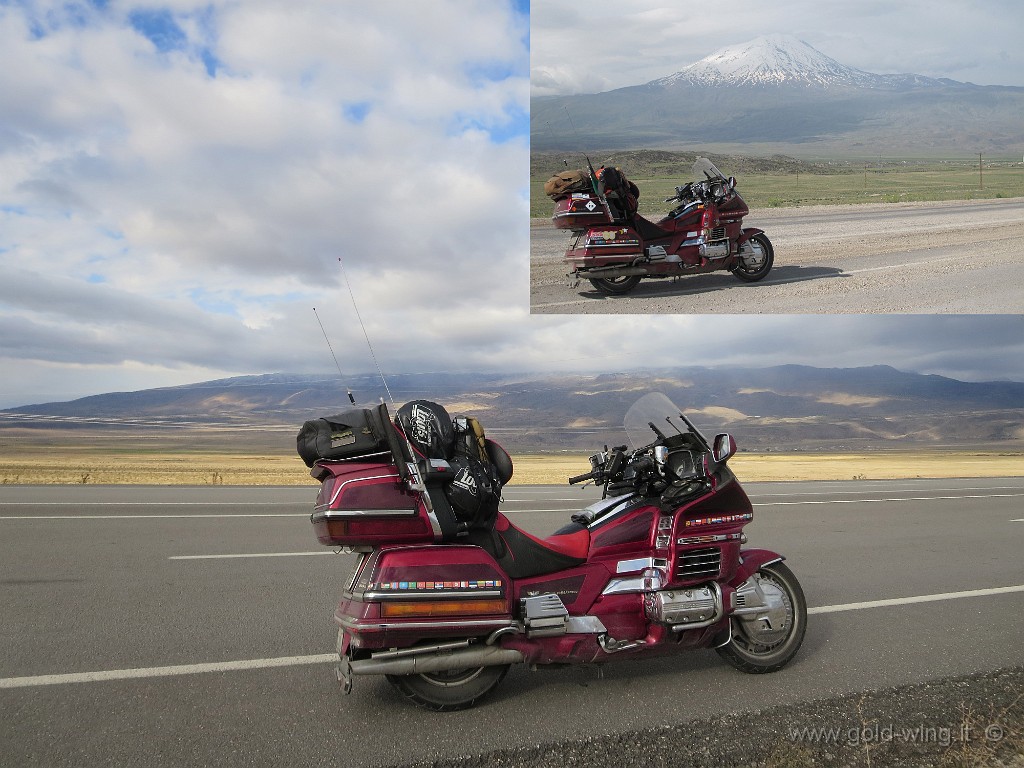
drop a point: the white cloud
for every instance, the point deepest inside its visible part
(177, 179)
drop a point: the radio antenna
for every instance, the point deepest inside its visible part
(590, 165)
(351, 399)
(365, 335)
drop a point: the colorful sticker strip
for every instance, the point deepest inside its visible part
(719, 520)
(420, 585)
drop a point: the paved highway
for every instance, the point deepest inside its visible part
(102, 589)
(948, 257)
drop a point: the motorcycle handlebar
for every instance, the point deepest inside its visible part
(582, 478)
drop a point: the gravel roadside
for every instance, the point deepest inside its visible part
(947, 257)
(974, 720)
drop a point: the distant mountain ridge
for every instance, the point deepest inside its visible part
(778, 408)
(777, 90)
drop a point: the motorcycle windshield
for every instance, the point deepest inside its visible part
(653, 418)
(704, 169)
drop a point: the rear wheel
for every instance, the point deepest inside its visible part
(615, 285)
(450, 689)
(760, 645)
(756, 259)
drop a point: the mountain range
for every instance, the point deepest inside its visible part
(780, 91)
(787, 407)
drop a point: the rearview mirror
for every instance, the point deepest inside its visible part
(724, 447)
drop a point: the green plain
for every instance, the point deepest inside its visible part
(890, 181)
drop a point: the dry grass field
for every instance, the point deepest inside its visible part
(220, 468)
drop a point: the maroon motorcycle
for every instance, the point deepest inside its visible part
(614, 247)
(447, 592)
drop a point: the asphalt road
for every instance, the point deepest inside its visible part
(948, 257)
(90, 583)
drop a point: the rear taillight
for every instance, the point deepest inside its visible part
(352, 527)
(441, 608)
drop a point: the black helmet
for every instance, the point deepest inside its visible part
(428, 427)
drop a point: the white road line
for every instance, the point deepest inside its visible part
(1018, 520)
(146, 517)
(918, 599)
(181, 669)
(151, 503)
(877, 501)
(256, 554)
(325, 658)
(881, 490)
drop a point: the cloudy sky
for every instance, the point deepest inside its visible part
(179, 179)
(642, 40)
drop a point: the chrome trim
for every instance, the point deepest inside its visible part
(337, 491)
(544, 615)
(651, 580)
(640, 563)
(708, 538)
(326, 511)
(358, 569)
(427, 595)
(698, 564)
(566, 214)
(416, 483)
(591, 246)
(585, 625)
(598, 511)
(632, 566)
(382, 626)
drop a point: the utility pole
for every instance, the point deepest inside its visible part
(981, 172)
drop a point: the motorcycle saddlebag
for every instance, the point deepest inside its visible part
(356, 432)
(400, 595)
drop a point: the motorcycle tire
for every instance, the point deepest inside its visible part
(449, 690)
(761, 654)
(615, 285)
(753, 275)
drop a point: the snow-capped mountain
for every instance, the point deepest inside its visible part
(776, 60)
(779, 90)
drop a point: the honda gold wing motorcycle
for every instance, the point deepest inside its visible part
(614, 247)
(447, 592)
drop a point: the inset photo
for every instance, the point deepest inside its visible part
(774, 160)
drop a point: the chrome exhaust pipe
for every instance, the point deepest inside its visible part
(484, 656)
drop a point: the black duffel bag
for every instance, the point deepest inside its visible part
(353, 433)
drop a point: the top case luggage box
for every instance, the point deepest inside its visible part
(367, 505)
(579, 211)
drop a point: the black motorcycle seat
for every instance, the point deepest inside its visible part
(522, 555)
(648, 230)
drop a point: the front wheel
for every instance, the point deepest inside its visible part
(615, 285)
(451, 689)
(763, 645)
(755, 259)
